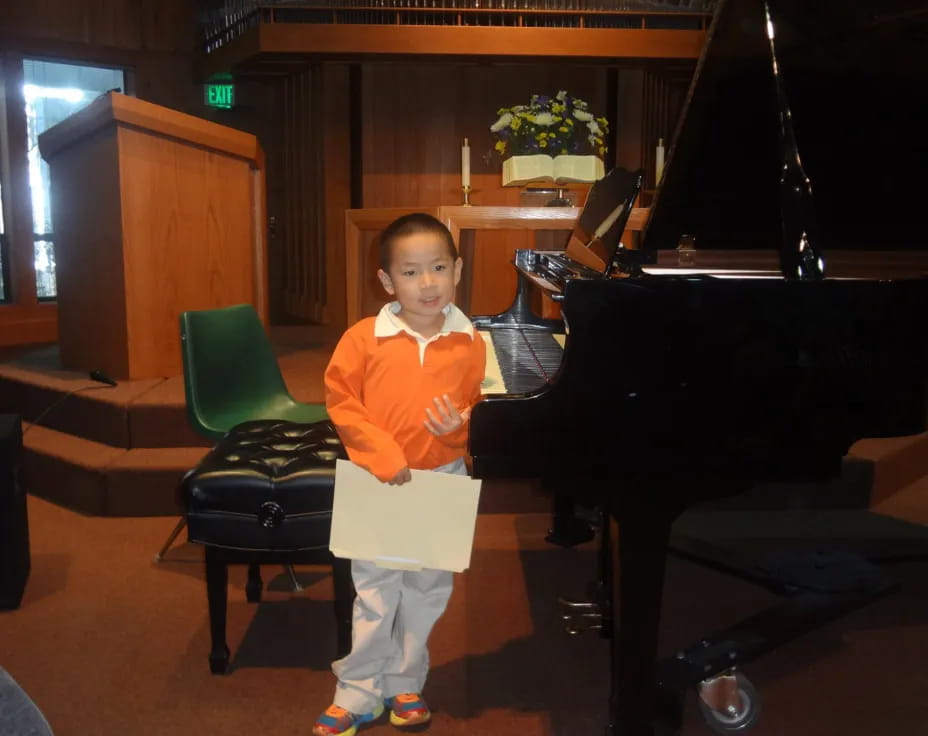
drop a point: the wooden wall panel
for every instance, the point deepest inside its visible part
(301, 232)
(415, 119)
(166, 25)
(336, 180)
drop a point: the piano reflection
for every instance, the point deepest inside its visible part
(665, 386)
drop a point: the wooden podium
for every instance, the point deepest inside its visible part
(154, 213)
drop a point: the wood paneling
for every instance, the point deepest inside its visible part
(166, 25)
(302, 229)
(17, 212)
(363, 293)
(336, 177)
(415, 117)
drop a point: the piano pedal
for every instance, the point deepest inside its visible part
(580, 616)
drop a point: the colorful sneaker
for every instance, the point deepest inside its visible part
(409, 712)
(336, 721)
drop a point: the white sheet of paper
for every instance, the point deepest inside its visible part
(426, 523)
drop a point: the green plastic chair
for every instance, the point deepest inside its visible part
(231, 375)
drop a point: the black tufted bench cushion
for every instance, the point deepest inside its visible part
(263, 494)
(267, 485)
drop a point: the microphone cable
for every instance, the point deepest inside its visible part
(96, 375)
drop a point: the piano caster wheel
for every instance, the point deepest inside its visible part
(729, 703)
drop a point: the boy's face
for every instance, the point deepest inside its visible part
(422, 274)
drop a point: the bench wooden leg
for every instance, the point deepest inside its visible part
(254, 584)
(217, 581)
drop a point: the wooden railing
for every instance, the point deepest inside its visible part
(220, 28)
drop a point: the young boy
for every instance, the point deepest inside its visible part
(399, 388)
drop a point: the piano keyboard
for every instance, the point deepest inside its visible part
(520, 360)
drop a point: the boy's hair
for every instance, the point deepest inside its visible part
(417, 222)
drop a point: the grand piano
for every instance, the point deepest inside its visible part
(667, 383)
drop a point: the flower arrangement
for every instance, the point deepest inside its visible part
(555, 126)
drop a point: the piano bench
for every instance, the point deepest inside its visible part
(263, 495)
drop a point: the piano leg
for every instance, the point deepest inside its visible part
(642, 552)
(567, 529)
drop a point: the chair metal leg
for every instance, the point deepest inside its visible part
(167, 545)
(293, 581)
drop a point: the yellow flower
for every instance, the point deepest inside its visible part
(570, 122)
(564, 129)
(542, 143)
(557, 107)
(516, 123)
(501, 146)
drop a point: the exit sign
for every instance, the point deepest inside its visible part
(219, 95)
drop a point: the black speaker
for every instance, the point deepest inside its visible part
(14, 525)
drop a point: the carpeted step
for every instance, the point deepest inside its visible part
(35, 387)
(909, 503)
(897, 462)
(158, 418)
(96, 478)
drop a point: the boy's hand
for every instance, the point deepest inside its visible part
(446, 418)
(404, 476)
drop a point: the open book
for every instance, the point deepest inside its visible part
(519, 170)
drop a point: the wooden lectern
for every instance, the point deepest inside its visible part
(154, 213)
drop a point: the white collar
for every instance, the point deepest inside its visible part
(388, 322)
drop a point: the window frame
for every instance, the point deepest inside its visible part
(24, 317)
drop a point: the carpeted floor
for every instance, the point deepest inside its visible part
(108, 642)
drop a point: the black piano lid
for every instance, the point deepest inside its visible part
(856, 75)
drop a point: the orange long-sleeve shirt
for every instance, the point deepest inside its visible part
(380, 380)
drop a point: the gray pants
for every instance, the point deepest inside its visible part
(394, 613)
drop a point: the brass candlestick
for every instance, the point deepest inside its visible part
(466, 189)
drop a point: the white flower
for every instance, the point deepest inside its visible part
(543, 118)
(561, 95)
(582, 115)
(503, 122)
(594, 127)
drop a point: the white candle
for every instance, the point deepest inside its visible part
(659, 161)
(465, 164)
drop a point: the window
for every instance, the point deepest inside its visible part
(4, 256)
(53, 91)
